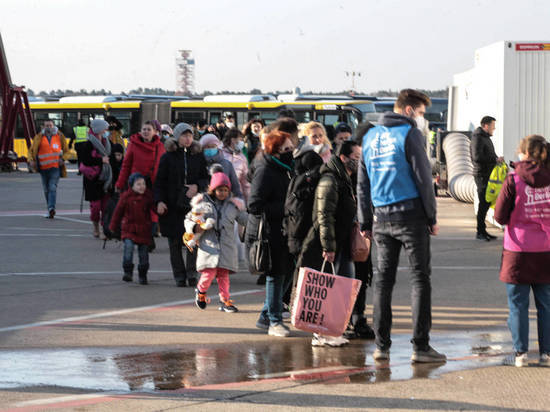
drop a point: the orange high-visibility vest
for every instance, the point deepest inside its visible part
(49, 153)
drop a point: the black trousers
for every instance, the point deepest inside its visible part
(363, 272)
(182, 270)
(481, 183)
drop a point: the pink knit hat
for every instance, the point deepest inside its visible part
(219, 179)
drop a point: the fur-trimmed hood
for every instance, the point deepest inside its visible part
(171, 145)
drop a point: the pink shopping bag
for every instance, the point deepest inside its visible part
(323, 302)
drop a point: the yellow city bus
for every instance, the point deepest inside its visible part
(66, 113)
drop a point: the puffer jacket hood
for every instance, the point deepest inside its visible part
(171, 145)
(532, 173)
(392, 119)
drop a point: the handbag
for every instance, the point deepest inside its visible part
(259, 254)
(323, 302)
(360, 245)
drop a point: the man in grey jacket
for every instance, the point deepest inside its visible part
(397, 205)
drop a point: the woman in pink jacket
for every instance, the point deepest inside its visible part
(523, 206)
(233, 143)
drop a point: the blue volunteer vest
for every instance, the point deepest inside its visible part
(390, 175)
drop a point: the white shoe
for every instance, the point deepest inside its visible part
(380, 354)
(278, 329)
(522, 360)
(322, 340)
(544, 359)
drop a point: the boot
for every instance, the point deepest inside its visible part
(101, 234)
(142, 271)
(128, 272)
(96, 229)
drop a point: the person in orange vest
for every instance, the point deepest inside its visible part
(46, 157)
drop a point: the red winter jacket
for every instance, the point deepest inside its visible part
(142, 157)
(133, 215)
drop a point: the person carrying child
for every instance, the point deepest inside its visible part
(133, 216)
(523, 205)
(217, 250)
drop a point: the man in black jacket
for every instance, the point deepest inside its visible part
(484, 159)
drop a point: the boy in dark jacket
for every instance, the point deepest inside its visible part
(133, 215)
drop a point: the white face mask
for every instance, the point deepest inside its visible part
(420, 122)
(318, 148)
(229, 125)
(239, 146)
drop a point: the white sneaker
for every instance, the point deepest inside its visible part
(322, 340)
(380, 354)
(521, 360)
(544, 359)
(279, 329)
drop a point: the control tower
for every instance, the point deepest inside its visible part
(185, 72)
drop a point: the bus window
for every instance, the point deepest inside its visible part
(214, 117)
(303, 117)
(70, 120)
(56, 117)
(241, 119)
(269, 117)
(190, 117)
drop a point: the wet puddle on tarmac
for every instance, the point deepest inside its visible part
(144, 369)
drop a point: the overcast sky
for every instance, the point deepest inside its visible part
(271, 45)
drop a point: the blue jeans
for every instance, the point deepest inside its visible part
(518, 319)
(415, 238)
(50, 178)
(128, 256)
(275, 288)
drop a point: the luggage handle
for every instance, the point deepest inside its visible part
(323, 267)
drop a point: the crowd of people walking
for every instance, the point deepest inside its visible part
(213, 189)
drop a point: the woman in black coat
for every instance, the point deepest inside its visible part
(181, 168)
(267, 197)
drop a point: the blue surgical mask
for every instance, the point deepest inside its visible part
(106, 134)
(210, 152)
(239, 146)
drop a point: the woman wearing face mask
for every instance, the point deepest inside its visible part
(96, 171)
(317, 136)
(251, 133)
(267, 198)
(142, 156)
(211, 149)
(232, 150)
(334, 211)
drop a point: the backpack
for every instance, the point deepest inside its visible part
(299, 207)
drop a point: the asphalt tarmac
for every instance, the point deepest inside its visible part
(74, 336)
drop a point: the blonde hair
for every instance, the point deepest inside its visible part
(535, 147)
(305, 130)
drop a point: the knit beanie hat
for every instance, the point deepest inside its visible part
(117, 148)
(98, 125)
(133, 177)
(181, 128)
(219, 179)
(209, 138)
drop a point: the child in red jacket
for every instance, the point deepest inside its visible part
(133, 215)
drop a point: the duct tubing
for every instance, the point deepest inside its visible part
(460, 169)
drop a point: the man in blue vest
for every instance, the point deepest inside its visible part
(397, 206)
